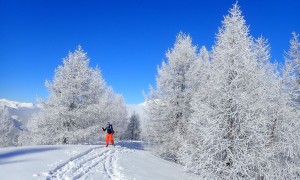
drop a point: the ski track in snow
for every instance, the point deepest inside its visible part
(100, 161)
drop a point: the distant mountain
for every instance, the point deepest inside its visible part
(19, 112)
(15, 105)
(12, 125)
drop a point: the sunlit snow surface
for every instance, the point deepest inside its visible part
(125, 161)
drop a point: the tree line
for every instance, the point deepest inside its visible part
(228, 113)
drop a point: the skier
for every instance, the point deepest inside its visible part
(109, 133)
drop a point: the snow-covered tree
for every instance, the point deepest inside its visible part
(8, 131)
(283, 127)
(77, 104)
(292, 69)
(116, 112)
(198, 72)
(169, 104)
(283, 145)
(231, 118)
(133, 131)
(261, 48)
(198, 76)
(284, 141)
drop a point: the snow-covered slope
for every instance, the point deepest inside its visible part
(126, 161)
(16, 105)
(15, 116)
(19, 112)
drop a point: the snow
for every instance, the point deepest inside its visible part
(125, 161)
(137, 163)
(16, 105)
(19, 111)
(27, 162)
(14, 117)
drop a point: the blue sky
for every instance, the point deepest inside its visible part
(126, 38)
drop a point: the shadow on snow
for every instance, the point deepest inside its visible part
(20, 152)
(138, 145)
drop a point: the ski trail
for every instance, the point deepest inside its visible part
(85, 165)
(58, 168)
(108, 166)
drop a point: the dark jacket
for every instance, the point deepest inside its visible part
(109, 129)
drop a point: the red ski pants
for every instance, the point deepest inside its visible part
(109, 138)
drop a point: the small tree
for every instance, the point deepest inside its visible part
(133, 131)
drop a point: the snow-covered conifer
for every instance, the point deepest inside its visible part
(230, 112)
(198, 72)
(117, 113)
(284, 138)
(133, 131)
(292, 69)
(77, 106)
(169, 104)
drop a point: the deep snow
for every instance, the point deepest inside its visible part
(125, 161)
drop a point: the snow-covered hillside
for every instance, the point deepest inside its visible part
(16, 105)
(19, 111)
(13, 117)
(126, 161)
